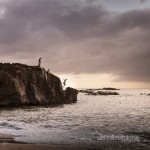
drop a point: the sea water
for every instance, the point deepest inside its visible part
(82, 122)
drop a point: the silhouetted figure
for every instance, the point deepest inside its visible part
(39, 65)
(64, 83)
(48, 70)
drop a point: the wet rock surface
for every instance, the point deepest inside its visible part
(94, 93)
(107, 88)
(144, 94)
(31, 85)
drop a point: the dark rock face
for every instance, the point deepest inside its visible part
(70, 95)
(31, 85)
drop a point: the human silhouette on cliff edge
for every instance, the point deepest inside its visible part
(39, 64)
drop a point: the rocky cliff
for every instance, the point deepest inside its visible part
(31, 85)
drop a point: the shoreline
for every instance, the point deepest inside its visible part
(6, 138)
(7, 142)
(17, 146)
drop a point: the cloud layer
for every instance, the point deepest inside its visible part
(77, 37)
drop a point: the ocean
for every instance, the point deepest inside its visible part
(90, 121)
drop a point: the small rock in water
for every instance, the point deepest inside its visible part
(89, 92)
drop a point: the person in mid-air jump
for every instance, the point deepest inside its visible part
(64, 83)
(39, 64)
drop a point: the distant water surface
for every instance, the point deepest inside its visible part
(82, 122)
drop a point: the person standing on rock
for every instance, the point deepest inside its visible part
(39, 65)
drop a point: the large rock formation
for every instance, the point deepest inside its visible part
(31, 85)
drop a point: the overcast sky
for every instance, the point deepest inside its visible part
(94, 43)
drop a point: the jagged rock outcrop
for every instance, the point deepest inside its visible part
(31, 85)
(70, 95)
(91, 92)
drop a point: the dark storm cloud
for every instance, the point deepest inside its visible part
(142, 1)
(77, 37)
